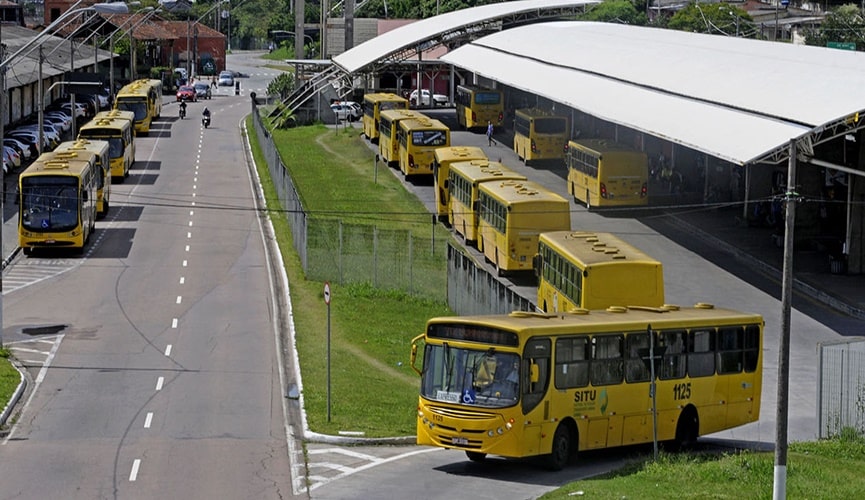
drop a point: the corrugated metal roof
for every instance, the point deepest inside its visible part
(732, 98)
(408, 36)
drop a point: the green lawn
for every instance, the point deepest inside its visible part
(827, 469)
(373, 389)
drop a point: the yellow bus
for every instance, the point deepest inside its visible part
(548, 386)
(418, 139)
(102, 152)
(443, 158)
(463, 181)
(511, 214)
(540, 135)
(373, 105)
(57, 201)
(603, 173)
(117, 128)
(388, 129)
(587, 270)
(144, 99)
(478, 106)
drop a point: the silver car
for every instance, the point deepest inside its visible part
(226, 79)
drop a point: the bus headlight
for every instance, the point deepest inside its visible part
(491, 433)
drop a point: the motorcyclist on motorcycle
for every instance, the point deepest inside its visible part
(183, 109)
(205, 120)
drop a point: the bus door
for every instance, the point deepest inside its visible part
(535, 381)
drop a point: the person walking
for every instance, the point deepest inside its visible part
(490, 133)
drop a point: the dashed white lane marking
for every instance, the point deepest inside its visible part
(133, 475)
(148, 419)
(168, 350)
(159, 382)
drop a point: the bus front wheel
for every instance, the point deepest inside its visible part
(476, 456)
(562, 449)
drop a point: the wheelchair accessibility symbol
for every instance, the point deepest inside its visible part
(468, 396)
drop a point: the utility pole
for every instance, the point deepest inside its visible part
(779, 491)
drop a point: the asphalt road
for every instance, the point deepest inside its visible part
(164, 379)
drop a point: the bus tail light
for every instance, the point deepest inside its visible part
(501, 117)
(474, 116)
(644, 191)
(603, 189)
(411, 161)
(534, 147)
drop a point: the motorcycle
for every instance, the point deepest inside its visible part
(182, 112)
(205, 121)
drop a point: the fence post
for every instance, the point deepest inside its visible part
(410, 265)
(339, 254)
(375, 256)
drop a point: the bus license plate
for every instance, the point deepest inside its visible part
(460, 441)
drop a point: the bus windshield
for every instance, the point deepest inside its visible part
(49, 203)
(137, 106)
(115, 143)
(483, 378)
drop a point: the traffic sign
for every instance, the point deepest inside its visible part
(841, 45)
(327, 293)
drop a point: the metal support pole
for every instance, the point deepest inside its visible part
(779, 491)
(111, 68)
(41, 108)
(2, 172)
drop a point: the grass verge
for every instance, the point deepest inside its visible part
(373, 389)
(823, 469)
(9, 377)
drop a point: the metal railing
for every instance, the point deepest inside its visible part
(333, 250)
(841, 387)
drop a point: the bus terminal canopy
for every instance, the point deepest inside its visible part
(736, 99)
(397, 45)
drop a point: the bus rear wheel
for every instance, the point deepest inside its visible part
(476, 456)
(687, 430)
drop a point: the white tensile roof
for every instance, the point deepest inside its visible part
(414, 34)
(733, 98)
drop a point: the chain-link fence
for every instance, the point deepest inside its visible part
(332, 250)
(841, 389)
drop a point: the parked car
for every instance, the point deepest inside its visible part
(225, 79)
(11, 158)
(31, 138)
(344, 111)
(438, 99)
(186, 92)
(202, 90)
(18, 145)
(60, 117)
(80, 109)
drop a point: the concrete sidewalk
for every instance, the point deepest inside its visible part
(720, 235)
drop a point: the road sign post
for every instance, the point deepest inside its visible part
(327, 301)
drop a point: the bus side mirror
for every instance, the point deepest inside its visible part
(535, 373)
(413, 355)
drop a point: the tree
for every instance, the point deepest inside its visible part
(616, 11)
(719, 19)
(842, 24)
